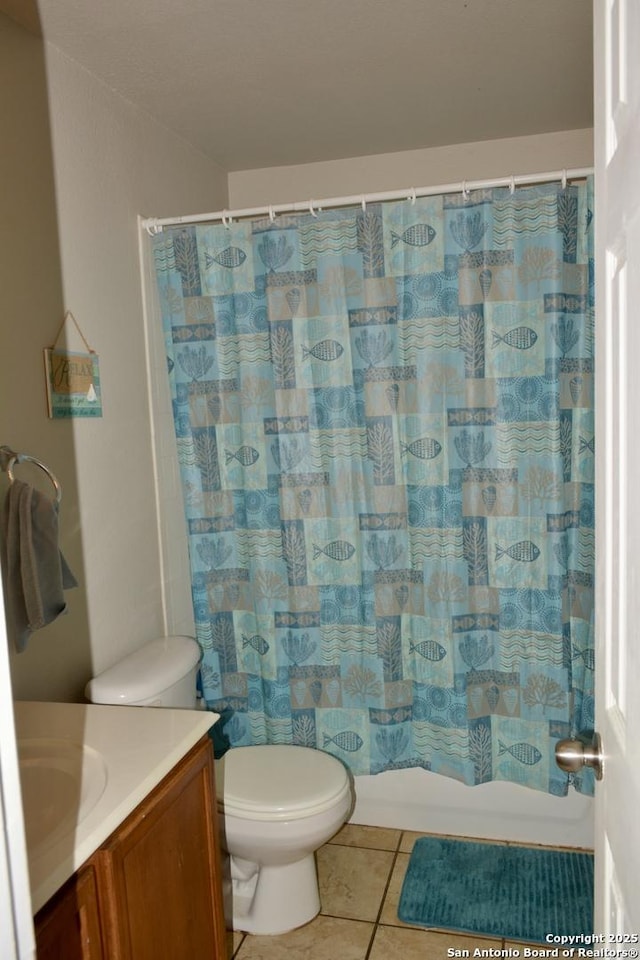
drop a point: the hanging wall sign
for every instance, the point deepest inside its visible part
(72, 379)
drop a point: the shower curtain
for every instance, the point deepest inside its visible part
(384, 419)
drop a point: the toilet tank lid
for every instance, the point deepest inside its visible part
(145, 672)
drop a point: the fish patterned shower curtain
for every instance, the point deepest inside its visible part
(385, 427)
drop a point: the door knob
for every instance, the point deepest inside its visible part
(582, 751)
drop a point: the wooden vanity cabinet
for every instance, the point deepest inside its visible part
(157, 877)
(68, 927)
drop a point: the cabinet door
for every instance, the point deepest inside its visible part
(68, 927)
(159, 873)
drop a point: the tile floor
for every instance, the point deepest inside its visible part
(360, 873)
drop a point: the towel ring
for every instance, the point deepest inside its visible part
(21, 458)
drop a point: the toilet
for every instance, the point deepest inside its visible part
(277, 803)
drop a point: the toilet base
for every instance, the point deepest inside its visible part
(286, 897)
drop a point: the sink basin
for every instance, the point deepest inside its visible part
(61, 783)
(84, 768)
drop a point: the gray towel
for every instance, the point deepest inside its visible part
(35, 571)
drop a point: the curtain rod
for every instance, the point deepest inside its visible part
(154, 225)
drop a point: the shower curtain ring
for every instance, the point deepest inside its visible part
(152, 227)
(412, 196)
(311, 209)
(512, 186)
(226, 219)
(465, 191)
(272, 215)
(364, 203)
(564, 179)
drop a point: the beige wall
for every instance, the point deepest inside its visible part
(75, 178)
(412, 168)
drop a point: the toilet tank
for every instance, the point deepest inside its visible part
(162, 673)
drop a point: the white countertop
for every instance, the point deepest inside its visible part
(139, 746)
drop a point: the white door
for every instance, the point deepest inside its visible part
(617, 190)
(16, 925)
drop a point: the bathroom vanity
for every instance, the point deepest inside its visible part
(137, 875)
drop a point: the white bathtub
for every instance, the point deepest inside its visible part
(416, 799)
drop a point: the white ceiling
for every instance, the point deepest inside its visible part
(258, 83)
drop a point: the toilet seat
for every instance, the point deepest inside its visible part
(278, 782)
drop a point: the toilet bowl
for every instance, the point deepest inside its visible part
(277, 803)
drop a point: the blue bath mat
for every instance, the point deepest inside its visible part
(521, 893)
